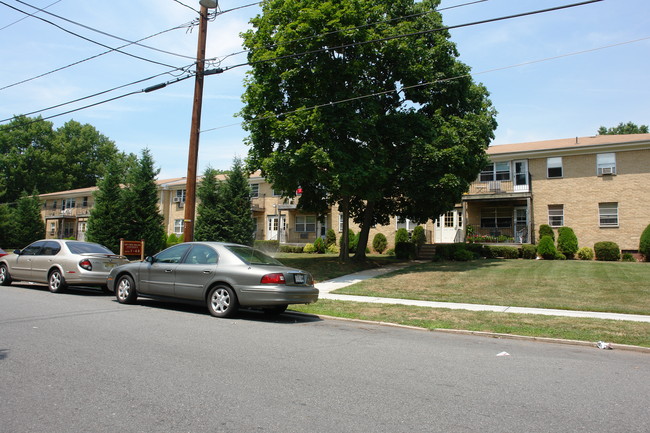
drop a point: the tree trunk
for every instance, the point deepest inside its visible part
(360, 254)
(344, 207)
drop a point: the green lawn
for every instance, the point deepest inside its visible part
(327, 266)
(572, 285)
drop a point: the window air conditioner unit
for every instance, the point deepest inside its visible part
(177, 200)
(607, 170)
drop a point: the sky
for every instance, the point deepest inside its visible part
(553, 75)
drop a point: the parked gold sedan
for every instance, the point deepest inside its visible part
(59, 264)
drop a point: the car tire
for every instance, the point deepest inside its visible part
(275, 310)
(125, 292)
(56, 281)
(5, 276)
(222, 301)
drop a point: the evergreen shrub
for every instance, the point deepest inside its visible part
(401, 235)
(567, 242)
(332, 249)
(319, 245)
(405, 250)
(330, 238)
(291, 249)
(644, 243)
(380, 243)
(546, 230)
(507, 252)
(628, 257)
(528, 251)
(464, 255)
(607, 251)
(419, 238)
(309, 249)
(546, 248)
(585, 253)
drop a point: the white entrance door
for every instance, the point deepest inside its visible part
(448, 227)
(276, 228)
(521, 225)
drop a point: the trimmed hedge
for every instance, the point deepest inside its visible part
(585, 253)
(607, 251)
(405, 250)
(546, 230)
(528, 251)
(644, 243)
(567, 242)
(319, 245)
(401, 235)
(419, 238)
(546, 248)
(330, 237)
(380, 243)
(506, 252)
(290, 249)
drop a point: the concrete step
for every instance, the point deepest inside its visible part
(427, 251)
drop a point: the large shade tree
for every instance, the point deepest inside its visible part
(400, 128)
(623, 128)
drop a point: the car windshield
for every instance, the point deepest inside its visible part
(251, 256)
(85, 247)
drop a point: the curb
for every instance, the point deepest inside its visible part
(616, 346)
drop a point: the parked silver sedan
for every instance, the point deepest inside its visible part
(60, 263)
(224, 276)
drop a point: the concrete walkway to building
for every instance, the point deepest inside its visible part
(326, 287)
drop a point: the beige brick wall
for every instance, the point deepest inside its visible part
(581, 190)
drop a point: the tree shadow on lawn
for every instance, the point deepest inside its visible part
(446, 266)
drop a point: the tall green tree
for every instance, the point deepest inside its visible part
(5, 226)
(401, 128)
(211, 221)
(28, 226)
(106, 225)
(623, 128)
(237, 196)
(141, 214)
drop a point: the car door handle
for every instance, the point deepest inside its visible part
(169, 270)
(207, 271)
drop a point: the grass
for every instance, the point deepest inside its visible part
(576, 285)
(327, 266)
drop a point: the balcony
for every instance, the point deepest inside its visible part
(496, 189)
(496, 235)
(70, 212)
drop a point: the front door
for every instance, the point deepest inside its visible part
(521, 225)
(521, 176)
(276, 228)
(448, 227)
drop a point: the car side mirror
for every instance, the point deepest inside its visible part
(149, 259)
(17, 252)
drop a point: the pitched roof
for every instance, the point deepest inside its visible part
(576, 143)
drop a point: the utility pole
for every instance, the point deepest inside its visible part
(192, 160)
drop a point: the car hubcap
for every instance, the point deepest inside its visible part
(3, 274)
(123, 289)
(220, 300)
(55, 280)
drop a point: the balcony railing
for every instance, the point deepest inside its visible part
(496, 235)
(496, 187)
(69, 212)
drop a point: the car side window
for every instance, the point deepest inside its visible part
(173, 254)
(50, 249)
(201, 255)
(33, 249)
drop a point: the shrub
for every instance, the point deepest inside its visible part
(330, 238)
(390, 252)
(567, 242)
(332, 249)
(447, 251)
(504, 251)
(546, 248)
(546, 230)
(309, 248)
(350, 241)
(607, 251)
(560, 256)
(401, 235)
(319, 245)
(418, 237)
(628, 257)
(405, 250)
(479, 250)
(172, 239)
(268, 246)
(380, 243)
(644, 243)
(291, 249)
(354, 242)
(528, 251)
(463, 255)
(585, 253)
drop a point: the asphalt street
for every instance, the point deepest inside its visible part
(81, 362)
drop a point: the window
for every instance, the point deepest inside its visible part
(449, 219)
(172, 254)
(54, 204)
(405, 223)
(340, 222)
(608, 214)
(52, 227)
(84, 203)
(556, 215)
(495, 171)
(69, 203)
(305, 223)
(605, 163)
(554, 167)
(277, 193)
(178, 227)
(179, 197)
(201, 255)
(255, 190)
(496, 217)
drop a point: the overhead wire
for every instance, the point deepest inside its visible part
(25, 17)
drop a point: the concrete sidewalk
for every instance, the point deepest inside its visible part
(326, 287)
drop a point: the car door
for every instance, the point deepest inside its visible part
(43, 260)
(157, 277)
(195, 271)
(22, 267)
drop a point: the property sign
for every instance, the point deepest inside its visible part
(132, 248)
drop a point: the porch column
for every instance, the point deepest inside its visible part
(465, 221)
(529, 209)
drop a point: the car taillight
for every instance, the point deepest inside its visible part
(86, 265)
(273, 279)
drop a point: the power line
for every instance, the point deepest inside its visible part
(442, 80)
(25, 17)
(88, 39)
(104, 33)
(93, 57)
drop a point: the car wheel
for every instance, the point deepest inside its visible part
(276, 310)
(125, 290)
(5, 276)
(56, 282)
(222, 301)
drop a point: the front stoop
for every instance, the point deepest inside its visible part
(427, 252)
